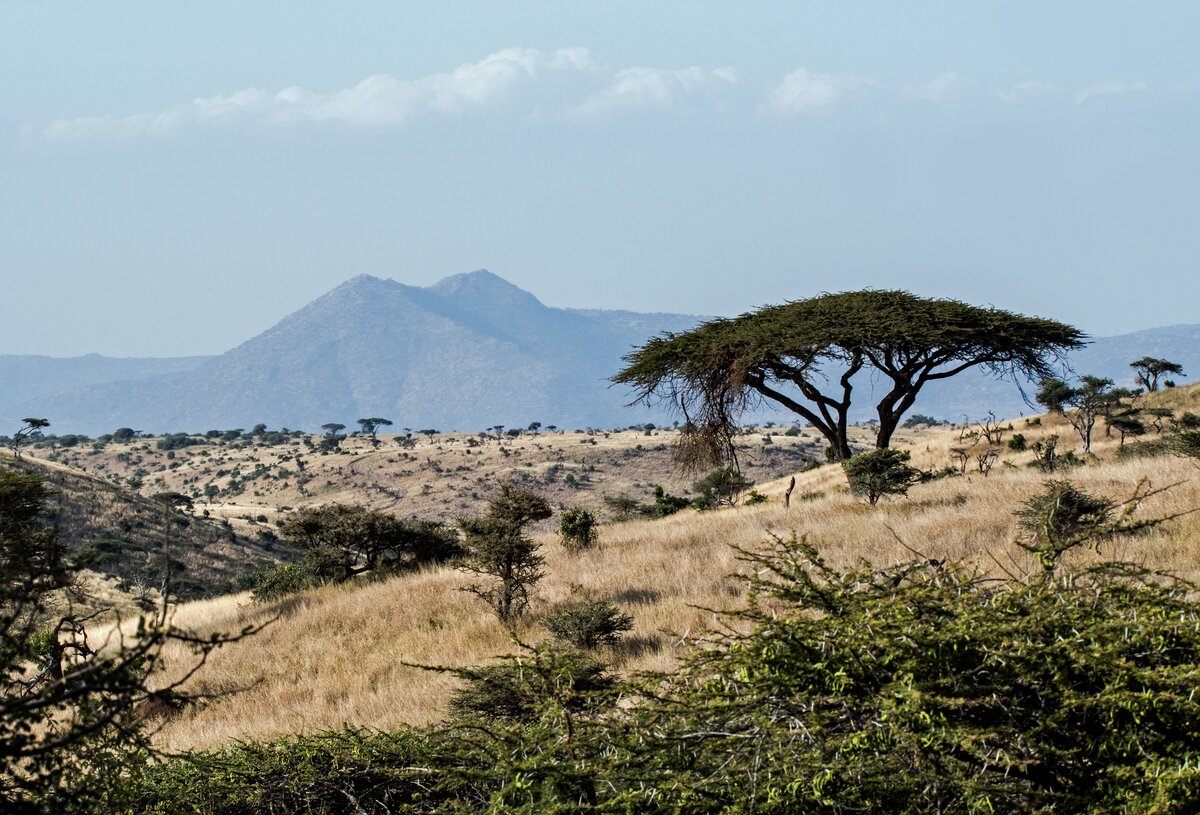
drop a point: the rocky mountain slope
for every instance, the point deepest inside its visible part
(467, 353)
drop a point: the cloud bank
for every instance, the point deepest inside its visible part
(524, 81)
(568, 83)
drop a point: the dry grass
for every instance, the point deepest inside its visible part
(336, 656)
(445, 476)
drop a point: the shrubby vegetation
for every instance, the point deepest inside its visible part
(70, 729)
(343, 541)
(499, 551)
(923, 687)
(879, 472)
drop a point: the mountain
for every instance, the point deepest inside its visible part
(973, 394)
(28, 383)
(469, 352)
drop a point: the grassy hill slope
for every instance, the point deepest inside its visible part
(336, 655)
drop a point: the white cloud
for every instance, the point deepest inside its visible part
(803, 91)
(522, 81)
(640, 88)
(1025, 90)
(939, 89)
(377, 101)
(1103, 89)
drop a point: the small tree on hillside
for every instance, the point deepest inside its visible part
(333, 428)
(577, 526)
(722, 486)
(371, 427)
(498, 549)
(31, 427)
(1149, 369)
(588, 624)
(1082, 405)
(880, 472)
(341, 541)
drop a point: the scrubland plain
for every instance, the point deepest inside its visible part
(348, 654)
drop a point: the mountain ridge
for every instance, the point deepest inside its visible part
(467, 352)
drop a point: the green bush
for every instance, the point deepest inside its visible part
(577, 527)
(280, 581)
(316, 775)
(1017, 443)
(880, 472)
(588, 624)
(516, 690)
(721, 486)
(666, 504)
(755, 497)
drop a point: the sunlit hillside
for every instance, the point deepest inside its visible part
(338, 655)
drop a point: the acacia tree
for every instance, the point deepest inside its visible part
(1082, 405)
(371, 427)
(31, 426)
(1149, 369)
(341, 541)
(804, 356)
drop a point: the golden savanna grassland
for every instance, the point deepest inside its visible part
(342, 655)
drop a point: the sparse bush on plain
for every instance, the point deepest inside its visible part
(588, 624)
(577, 527)
(879, 472)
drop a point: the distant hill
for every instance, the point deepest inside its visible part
(29, 383)
(116, 532)
(470, 352)
(467, 353)
(972, 394)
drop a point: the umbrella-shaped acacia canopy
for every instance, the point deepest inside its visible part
(803, 355)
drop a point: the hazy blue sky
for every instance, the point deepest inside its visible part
(175, 177)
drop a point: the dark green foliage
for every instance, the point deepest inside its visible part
(577, 526)
(666, 504)
(176, 441)
(755, 497)
(104, 554)
(722, 486)
(1053, 394)
(348, 771)
(1186, 442)
(344, 540)
(624, 508)
(1127, 424)
(1060, 518)
(517, 689)
(919, 419)
(498, 549)
(1047, 458)
(715, 372)
(879, 472)
(924, 687)
(287, 578)
(1189, 421)
(588, 624)
(1017, 443)
(68, 723)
